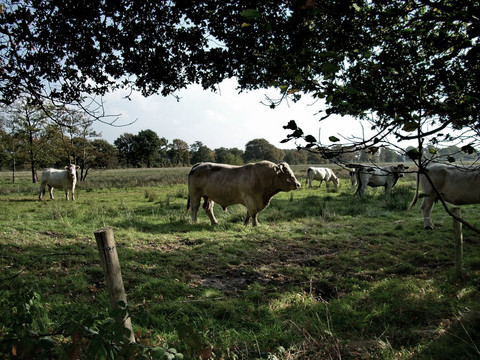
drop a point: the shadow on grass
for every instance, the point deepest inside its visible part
(262, 294)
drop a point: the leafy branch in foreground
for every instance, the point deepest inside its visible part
(28, 332)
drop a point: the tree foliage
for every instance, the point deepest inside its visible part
(261, 149)
(411, 67)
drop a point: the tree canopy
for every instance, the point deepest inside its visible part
(411, 67)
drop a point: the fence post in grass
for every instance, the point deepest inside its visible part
(113, 275)
(457, 228)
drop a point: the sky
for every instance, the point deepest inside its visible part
(226, 118)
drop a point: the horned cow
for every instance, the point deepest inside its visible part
(252, 185)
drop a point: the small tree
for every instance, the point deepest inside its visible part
(201, 153)
(261, 149)
(124, 145)
(179, 153)
(233, 156)
(146, 147)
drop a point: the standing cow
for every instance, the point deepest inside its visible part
(65, 179)
(385, 176)
(321, 174)
(252, 185)
(457, 186)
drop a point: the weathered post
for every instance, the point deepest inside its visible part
(113, 275)
(457, 228)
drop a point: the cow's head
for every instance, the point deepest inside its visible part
(399, 169)
(335, 180)
(286, 177)
(72, 171)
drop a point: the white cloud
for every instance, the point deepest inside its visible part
(223, 119)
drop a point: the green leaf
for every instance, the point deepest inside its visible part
(330, 68)
(410, 126)
(469, 149)
(251, 14)
(310, 139)
(333, 139)
(292, 125)
(451, 159)
(413, 154)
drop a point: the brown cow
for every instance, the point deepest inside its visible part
(252, 185)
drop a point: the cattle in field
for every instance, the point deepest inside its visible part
(252, 185)
(386, 176)
(64, 179)
(458, 186)
(321, 174)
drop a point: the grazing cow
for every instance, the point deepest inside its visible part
(457, 186)
(65, 179)
(252, 185)
(385, 176)
(321, 174)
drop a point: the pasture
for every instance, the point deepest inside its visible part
(325, 275)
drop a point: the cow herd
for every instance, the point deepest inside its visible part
(254, 185)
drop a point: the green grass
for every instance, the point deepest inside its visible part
(324, 275)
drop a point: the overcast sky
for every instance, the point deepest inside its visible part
(223, 119)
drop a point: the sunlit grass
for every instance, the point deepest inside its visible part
(324, 275)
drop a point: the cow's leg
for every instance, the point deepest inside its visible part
(310, 182)
(426, 207)
(50, 191)
(361, 190)
(247, 219)
(66, 194)
(252, 210)
(195, 203)
(255, 219)
(326, 183)
(388, 190)
(73, 194)
(42, 191)
(208, 206)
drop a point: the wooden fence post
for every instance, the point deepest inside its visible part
(113, 275)
(457, 228)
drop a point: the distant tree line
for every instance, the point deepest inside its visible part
(29, 140)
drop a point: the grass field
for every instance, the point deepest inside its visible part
(325, 275)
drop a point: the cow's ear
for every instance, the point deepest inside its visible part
(77, 167)
(66, 167)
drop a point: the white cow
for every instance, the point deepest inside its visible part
(458, 186)
(321, 174)
(385, 176)
(65, 179)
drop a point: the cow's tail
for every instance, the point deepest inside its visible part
(189, 205)
(415, 198)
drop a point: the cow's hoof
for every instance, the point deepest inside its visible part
(428, 227)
